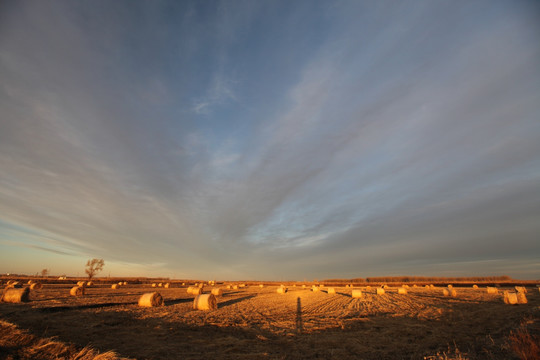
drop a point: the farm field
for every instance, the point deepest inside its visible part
(258, 323)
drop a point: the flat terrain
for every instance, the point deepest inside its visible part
(258, 323)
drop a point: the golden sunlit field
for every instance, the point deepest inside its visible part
(258, 323)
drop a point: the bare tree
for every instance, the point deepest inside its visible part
(44, 272)
(93, 267)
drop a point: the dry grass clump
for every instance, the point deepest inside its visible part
(525, 345)
(151, 299)
(12, 295)
(20, 344)
(77, 291)
(492, 290)
(357, 293)
(205, 302)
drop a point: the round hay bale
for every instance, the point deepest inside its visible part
(521, 289)
(453, 293)
(114, 286)
(380, 291)
(368, 287)
(475, 286)
(29, 282)
(427, 287)
(281, 290)
(89, 283)
(160, 285)
(314, 288)
(205, 302)
(14, 285)
(81, 283)
(331, 291)
(13, 295)
(201, 285)
(120, 283)
(125, 283)
(77, 291)
(183, 284)
(229, 287)
(357, 293)
(36, 286)
(304, 286)
(217, 291)
(189, 289)
(235, 287)
(167, 285)
(510, 298)
(196, 291)
(402, 291)
(261, 286)
(414, 286)
(242, 285)
(154, 284)
(151, 300)
(492, 290)
(521, 298)
(445, 292)
(450, 286)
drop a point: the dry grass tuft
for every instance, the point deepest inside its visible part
(20, 344)
(525, 345)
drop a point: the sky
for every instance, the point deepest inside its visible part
(270, 140)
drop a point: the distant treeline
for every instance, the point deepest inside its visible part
(420, 279)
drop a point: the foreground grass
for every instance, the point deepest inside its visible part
(20, 344)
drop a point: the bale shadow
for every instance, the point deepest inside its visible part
(235, 301)
(177, 301)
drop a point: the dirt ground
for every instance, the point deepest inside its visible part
(255, 323)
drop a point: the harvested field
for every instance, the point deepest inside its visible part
(254, 323)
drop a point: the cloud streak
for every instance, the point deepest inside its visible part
(371, 141)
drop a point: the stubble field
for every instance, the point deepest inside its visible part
(258, 323)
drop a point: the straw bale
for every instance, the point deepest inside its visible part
(114, 286)
(281, 290)
(402, 291)
(521, 298)
(356, 293)
(77, 291)
(151, 299)
(36, 286)
(510, 298)
(331, 291)
(12, 295)
(217, 291)
(205, 302)
(380, 291)
(492, 290)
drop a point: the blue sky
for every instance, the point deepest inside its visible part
(270, 139)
